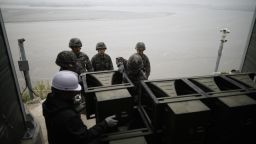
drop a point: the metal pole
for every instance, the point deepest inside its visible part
(25, 70)
(222, 41)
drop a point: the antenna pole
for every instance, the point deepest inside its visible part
(23, 65)
(224, 32)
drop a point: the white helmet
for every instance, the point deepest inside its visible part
(66, 81)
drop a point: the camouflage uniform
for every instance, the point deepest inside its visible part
(146, 63)
(102, 62)
(83, 63)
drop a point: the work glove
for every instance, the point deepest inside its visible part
(111, 121)
(77, 99)
(79, 103)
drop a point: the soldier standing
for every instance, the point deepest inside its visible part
(101, 61)
(82, 61)
(140, 47)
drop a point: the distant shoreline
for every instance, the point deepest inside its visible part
(20, 15)
(33, 12)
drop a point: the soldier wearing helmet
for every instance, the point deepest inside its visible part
(133, 67)
(63, 122)
(82, 61)
(140, 47)
(101, 61)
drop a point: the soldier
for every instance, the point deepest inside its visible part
(101, 61)
(134, 70)
(140, 47)
(133, 67)
(82, 61)
(64, 124)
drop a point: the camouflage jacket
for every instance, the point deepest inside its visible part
(83, 63)
(101, 63)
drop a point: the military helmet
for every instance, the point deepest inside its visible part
(101, 45)
(140, 45)
(135, 63)
(66, 58)
(75, 42)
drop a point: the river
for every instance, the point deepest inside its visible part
(181, 40)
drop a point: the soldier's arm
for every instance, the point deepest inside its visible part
(147, 67)
(78, 131)
(93, 62)
(89, 65)
(143, 76)
(111, 64)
